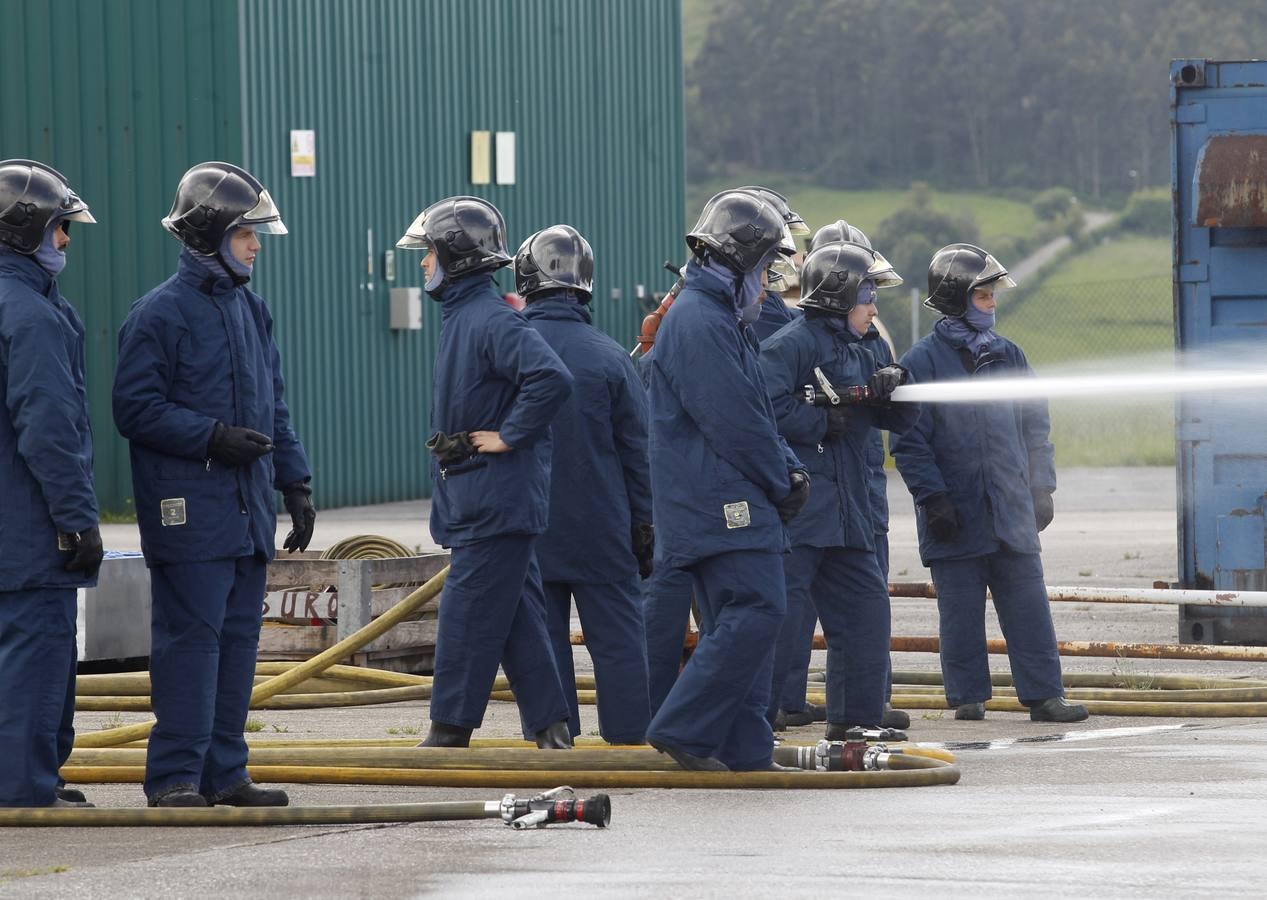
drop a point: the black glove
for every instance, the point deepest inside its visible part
(883, 382)
(795, 501)
(942, 517)
(450, 448)
(1044, 509)
(234, 445)
(644, 548)
(87, 553)
(303, 517)
(839, 420)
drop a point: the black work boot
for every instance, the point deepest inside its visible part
(1057, 709)
(70, 795)
(442, 735)
(973, 712)
(251, 794)
(808, 716)
(689, 761)
(554, 737)
(59, 803)
(179, 797)
(895, 718)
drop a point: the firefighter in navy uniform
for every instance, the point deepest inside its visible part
(497, 387)
(833, 564)
(723, 484)
(49, 541)
(982, 476)
(600, 537)
(199, 395)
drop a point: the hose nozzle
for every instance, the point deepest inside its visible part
(555, 806)
(827, 394)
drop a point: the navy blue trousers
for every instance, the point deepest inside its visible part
(611, 619)
(1020, 600)
(666, 615)
(717, 705)
(204, 636)
(492, 611)
(852, 601)
(797, 644)
(38, 656)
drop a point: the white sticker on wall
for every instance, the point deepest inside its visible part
(505, 157)
(303, 154)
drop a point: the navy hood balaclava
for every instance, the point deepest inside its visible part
(51, 259)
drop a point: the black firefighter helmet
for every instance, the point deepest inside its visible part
(554, 258)
(31, 196)
(956, 271)
(215, 197)
(831, 275)
(740, 229)
(838, 231)
(468, 235)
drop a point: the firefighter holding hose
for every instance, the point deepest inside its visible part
(833, 566)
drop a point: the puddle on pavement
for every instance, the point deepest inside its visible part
(1093, 734)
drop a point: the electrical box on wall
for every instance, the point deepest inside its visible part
(406, 308)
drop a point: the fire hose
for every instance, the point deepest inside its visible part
(556, 806)
(931, 771)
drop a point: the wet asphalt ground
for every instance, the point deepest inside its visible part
(1155, 807)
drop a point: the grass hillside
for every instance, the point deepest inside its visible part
(1106, 310)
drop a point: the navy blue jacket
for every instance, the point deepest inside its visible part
(600, 478)
(878, 480)
(986, 457)
(493, 372)
(775, 313)
(45, 439)
(194, 351)
(839, 512)
(718, 465)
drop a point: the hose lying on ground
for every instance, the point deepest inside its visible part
(288, 679)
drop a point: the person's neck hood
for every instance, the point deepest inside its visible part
(559, 305)
(25, 269)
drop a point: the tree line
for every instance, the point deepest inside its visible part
(983, 94)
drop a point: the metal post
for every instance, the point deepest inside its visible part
(355, 592)
(915, 335)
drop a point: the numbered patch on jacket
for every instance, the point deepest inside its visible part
(737, 515)
(172, 512)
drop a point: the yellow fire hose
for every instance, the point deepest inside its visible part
(917, 771)
(296, 675)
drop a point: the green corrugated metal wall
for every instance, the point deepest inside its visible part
(593, 91)
(120, 97)
(393, 88)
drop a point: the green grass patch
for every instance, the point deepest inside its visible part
(1112, 304)
(996, 217)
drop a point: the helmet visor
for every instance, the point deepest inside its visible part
(263, 217)
(796, 225)
(993, 274)
(882, 273)
(415, 236)
(79, 215)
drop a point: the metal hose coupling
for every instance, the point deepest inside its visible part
(826, 394)
(552, 807)
(852, 755)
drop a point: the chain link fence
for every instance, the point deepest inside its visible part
(1093, 328)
